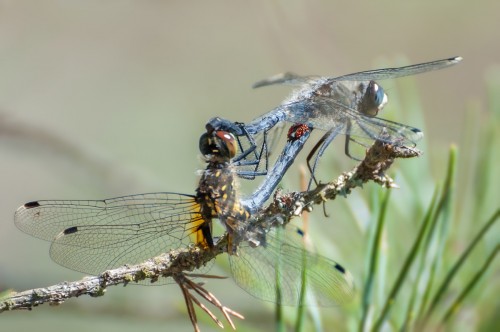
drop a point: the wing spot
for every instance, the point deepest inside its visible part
(70, 230)
(31, 205)
(339, 268)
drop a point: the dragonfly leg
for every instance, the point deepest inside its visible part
(251, 149)
(262, 152)
(349, 139)
(320, 148)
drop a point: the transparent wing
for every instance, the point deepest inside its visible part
(333, 109)
(93, 236)
(386, 73)
(282, 266)
(326, 113)
(289, 78)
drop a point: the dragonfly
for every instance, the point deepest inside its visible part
(92, 236)
(347, 104)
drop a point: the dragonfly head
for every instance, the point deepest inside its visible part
(218, 143)
(373, 100)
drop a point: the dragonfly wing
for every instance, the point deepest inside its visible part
(93, 236)
(326, 113)
(287, 78)
(276, 272)
(387, 73)
(386, 131)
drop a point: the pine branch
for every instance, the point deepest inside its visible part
(379, 158)
(178, 263)
(166, 265)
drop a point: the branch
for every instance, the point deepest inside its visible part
(379, 157)
(166, 265)
(177, 262)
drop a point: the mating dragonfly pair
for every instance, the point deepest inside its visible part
(93, 236)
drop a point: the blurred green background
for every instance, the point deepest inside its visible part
(107, 98)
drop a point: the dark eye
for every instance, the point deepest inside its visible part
(205, 144)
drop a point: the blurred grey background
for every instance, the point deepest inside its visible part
(107, 98)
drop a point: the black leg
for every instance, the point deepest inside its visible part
(320, 147)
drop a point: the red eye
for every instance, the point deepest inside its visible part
(228, 146)
(221, 144)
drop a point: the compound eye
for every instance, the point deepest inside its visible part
(374, 99)
(228, 146)
(205, 144)
(379, 96)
